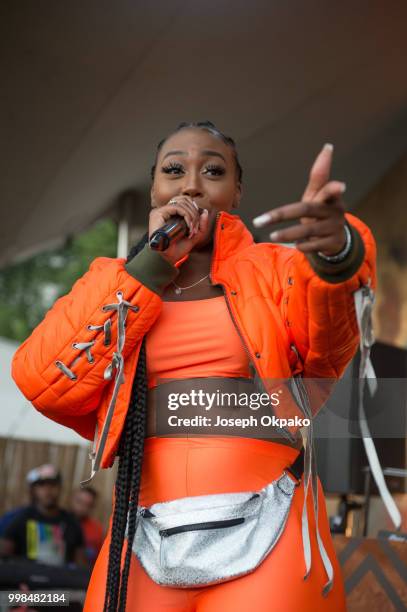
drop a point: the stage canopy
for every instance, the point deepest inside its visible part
(89, 88)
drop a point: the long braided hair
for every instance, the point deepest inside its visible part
(131, 445)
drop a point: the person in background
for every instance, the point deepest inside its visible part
(43, 531)
(83, 505)
(8, 517)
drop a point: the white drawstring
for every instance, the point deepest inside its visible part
(117, 363)
(310, 474)
(364, 300)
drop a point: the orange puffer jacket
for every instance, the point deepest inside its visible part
(78, 370)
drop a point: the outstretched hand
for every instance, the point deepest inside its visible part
(321, 212)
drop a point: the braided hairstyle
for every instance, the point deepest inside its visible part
(131, 445)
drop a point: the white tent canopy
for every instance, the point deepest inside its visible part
(89, 88)
(19, 419)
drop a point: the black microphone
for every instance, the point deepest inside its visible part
(174, 230)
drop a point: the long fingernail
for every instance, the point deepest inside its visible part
(195, 204)
(343, 187)
(274, 236)
(328, 146)
(261, 220)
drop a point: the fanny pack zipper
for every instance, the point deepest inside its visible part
(146, 513)
(165, 533)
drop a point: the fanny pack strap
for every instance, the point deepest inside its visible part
(364, 300)
(297, 468)
(310, 477)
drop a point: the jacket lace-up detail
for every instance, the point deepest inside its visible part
(79, 346)
(107, 331)
(117, 364)
(121, 307)
(85, 346)
(68, 372)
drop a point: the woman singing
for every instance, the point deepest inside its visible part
(213, 306)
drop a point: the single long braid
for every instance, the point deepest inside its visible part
(128, 479)
(139, 425)
(131, 446)
(119, 519)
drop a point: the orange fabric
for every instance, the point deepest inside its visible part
(276, 301)
(185, 342)
(275, 298)
(175, 468)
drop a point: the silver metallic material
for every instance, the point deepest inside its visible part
(66, 370)
(208, 539)
(178, 290)
(85, 346)
(342, 254)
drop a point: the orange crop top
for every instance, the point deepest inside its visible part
(195, 339)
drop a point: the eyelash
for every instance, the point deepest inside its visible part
(177, 166)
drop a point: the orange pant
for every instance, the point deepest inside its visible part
(180, 467)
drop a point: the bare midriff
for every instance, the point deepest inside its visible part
(194, 348)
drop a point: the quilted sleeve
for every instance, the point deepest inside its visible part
(64, 365)
(318, 307)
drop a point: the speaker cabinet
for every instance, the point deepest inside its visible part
(341, 460)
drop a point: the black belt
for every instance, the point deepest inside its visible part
(157, 396)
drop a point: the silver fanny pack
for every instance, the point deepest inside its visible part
(208, 539)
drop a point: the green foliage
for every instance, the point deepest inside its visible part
(29, 288)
